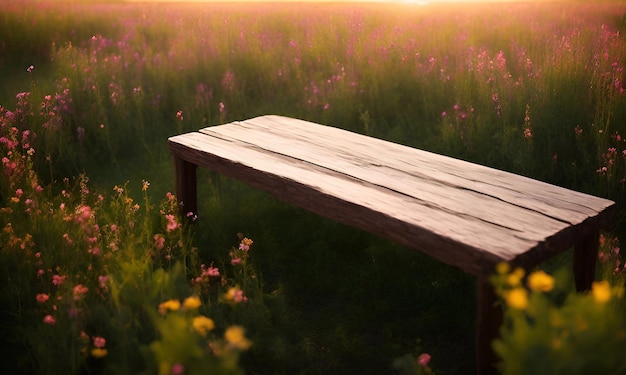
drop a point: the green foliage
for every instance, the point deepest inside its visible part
(550, 329)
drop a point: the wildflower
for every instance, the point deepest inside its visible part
(171, 305)
(99, 342)
(49, 319)
(516, 298)
(30, 69)
(98, 352)
(102, 281)
(515, 278)
(503, 268)
(83, 213)
(42, 297)
(191, 303)
(601, 291)
(423, 359)
(145, 185)
(213, 271)
(177, 369)
(234, 335)
(95, 250)
(236, 295)
(527, 133)
(540, 281)
(57, 280)
(202, 324)
(79, 291)
(159, 241)
(171, 223)
(245, 244)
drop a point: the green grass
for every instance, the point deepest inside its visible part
(339, 300)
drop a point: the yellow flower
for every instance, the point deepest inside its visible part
(98, 352)
(235, 336)
(503, 268)
(202, 324)
(515, 278)
(517, 298)
(169, 305)
(601, 291)
(191, 303)
(540, 281)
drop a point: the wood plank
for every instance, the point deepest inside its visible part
(545, 198)
(445, 196)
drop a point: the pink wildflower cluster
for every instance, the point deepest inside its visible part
(423, 360)
(54, 107)
(614, 159)
(527, 132)
(235, 295)
(207, 277)
(609, 253)
(239, 255)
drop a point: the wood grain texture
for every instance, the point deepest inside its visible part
(466, 215)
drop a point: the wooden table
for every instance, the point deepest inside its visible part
(463, 214)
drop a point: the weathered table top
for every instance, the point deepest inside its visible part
(463, 214)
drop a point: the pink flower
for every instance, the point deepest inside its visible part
(79, 291)
(57, 280)
(42, 297)
(49, 319)
(235, 261)
(171, 223)
(159, 241)
(99, 342)
(83, 213)
(102, 282)
(178, 369)
(423, 359)
(213, 271)
(527, 133)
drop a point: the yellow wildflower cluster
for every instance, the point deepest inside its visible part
(202, 324)
(539, 281)
(515, 294)
(191, 303)
(169, 305)
(234, 335)
(601, 291)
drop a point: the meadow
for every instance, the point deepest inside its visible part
(101, 275)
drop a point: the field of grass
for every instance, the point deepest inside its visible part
(89, 93)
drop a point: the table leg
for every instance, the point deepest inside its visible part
(186, 189)
(585, 257)
(488, 321)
